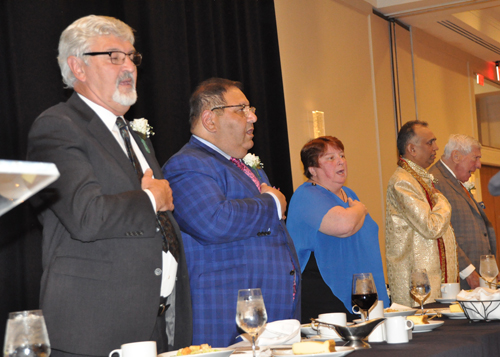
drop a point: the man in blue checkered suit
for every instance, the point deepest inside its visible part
(230, 217)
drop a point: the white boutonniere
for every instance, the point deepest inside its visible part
(433, 179)
(469, 185)
(142, 127)
(253, 161)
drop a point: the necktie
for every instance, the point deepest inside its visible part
(246, 170)
(170, 242)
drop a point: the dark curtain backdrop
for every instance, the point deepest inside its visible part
(183, 42)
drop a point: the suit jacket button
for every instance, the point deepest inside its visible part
(292, 272)
(157, 271)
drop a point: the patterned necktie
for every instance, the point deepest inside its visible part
(246, 170)
(170, 242)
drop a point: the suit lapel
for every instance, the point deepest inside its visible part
(107, 141)
(458, 187)
(146, 148)
(238, 174)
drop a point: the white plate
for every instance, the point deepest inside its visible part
(340, 351)
(427, 327)
(453, 315)
(221, 352)
(400, 313)
(446, 301)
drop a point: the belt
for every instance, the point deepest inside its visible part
(163, 306)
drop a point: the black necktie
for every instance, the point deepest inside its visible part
(170, 242)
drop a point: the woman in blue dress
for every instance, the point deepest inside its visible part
(333, 233)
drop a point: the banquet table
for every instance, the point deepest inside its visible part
(455, 338)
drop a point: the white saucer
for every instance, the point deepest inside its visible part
(220, 352)
(453, 315)
(446, 301)
(340, 351)
(400, 313)
(427, 327)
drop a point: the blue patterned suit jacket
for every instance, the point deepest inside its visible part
(233, 240)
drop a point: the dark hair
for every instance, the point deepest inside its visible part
(406, 133)
(209, 94)
(315, 148)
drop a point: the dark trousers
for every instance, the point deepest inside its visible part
(159, 335)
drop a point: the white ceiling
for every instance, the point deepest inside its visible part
(472, 25)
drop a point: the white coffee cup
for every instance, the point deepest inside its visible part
(450, 290)
(336, 318)
(396, 329)
(135, 349)
(378, 335)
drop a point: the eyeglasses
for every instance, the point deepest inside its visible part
(246, 109)
(118, 57)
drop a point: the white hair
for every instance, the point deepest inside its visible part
(462, 143)
(77, 38)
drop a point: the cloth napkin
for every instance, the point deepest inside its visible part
(281, 332)
(479, 294)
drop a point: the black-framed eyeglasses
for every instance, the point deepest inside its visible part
(118, 57)
(245, 109)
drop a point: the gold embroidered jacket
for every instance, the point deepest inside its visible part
(411, 232)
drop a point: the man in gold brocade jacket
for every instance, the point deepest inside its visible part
(418, 229)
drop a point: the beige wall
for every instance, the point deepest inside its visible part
(336, 58)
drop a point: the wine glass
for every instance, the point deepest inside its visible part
(488, 268)
(26, 335)
(251, 313)
(420, 286)
(364, 293)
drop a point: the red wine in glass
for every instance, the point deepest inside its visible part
(364, 293)
(364, 301)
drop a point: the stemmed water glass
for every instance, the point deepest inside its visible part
(488, 268)
(364, 293)
(420, 286)
(251, 313)
(26, 335)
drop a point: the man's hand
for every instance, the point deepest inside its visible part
(264, 188)
(160, 189)
(473, 280)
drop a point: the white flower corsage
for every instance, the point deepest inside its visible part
(253, 161)
(469, 185)
(433, 179)
(142, 127)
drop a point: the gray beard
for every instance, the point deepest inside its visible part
(125, 99)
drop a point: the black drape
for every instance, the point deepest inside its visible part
(183, 43)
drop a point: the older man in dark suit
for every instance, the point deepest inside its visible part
(114, 269)
(473, 231)
(230, 216)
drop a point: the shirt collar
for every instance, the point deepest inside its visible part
(455, 176)
(106, 116)
(212, 146)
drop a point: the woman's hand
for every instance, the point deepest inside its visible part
(344, 222)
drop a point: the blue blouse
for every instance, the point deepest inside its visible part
(337, 258)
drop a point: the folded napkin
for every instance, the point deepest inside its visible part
(479, 294)
(281, 332)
